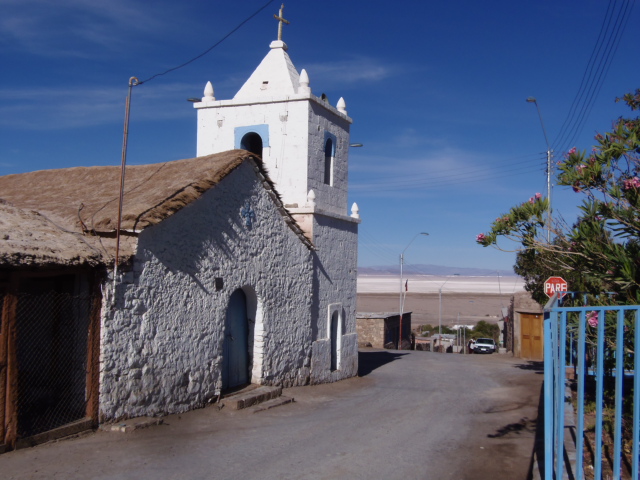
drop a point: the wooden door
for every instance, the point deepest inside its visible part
(531, 345)
(235, 368)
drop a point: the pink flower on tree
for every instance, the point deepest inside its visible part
(592, 319)
(538, 196)
(480, 238)
(581, 168)
(631, 183)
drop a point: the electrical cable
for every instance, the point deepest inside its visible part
(595, 73)
(210, 48)
(587, 73)
(437, 183)
(614, 42)
(467, 172)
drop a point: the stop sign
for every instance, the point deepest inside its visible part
(555, 284)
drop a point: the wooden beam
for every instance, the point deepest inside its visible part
(3, 362)
(93, 356)
(9, 345)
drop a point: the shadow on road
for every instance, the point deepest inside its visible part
(524, 425)
(537, 367)
(369, 361)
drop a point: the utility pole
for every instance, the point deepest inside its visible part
(549, 168)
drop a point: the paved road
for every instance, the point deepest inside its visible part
(410, 415)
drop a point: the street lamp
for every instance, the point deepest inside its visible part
(401, 299)
(440, 315)
(549, 155)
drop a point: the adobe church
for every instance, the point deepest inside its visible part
(238, 266)
(304, 144)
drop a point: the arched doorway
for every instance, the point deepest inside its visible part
(235, 360)
(335, 341)
(252, 142)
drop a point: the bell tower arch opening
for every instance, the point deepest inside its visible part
(252, 142)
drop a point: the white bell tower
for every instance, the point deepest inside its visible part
(303, 140)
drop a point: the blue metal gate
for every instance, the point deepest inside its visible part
(595, 345)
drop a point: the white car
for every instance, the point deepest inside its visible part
(484, 345)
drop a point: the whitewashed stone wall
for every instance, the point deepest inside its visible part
(335, 277)
(162, 343)
(294, 155)
(331, 198)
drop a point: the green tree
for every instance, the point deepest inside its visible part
(601, 251)
(484, 329)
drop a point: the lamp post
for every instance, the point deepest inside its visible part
(549, 166)
(440, 315)
(401, 299)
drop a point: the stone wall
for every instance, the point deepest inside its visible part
(162, 342)
(334, 286)
(381, 330)
(370, 332)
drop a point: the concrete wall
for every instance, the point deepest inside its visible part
(162, 343)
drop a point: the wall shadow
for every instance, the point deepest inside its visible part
(535, 366)
(369, 361)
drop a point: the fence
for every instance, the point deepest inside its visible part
(590, 362)
(52, 350)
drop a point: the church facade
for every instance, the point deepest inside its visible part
(238, 266)
(304, 143)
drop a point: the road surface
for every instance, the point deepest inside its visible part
(410, 415)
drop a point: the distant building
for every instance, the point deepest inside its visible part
(524, 327)
(382, 330)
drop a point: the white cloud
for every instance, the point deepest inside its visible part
(74, 28)
(349, 71)
(82, 106)
(439, 169)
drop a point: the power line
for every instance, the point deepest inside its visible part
(447, 179)
(456, 172)
(613, 44)
(595, 73)
(211, 47)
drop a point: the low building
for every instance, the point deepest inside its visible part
(382, 330)
(237, 266)
(524, 327)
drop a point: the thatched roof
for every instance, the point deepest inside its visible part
(83, 201)
(87, 197)
(28, 238)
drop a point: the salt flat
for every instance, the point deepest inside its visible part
(432, 284)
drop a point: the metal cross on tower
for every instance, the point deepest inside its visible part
(281, 20)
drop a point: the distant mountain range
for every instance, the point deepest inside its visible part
(433, 270)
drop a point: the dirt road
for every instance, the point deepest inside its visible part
(410, 415)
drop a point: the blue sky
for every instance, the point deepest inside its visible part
(437, 92)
